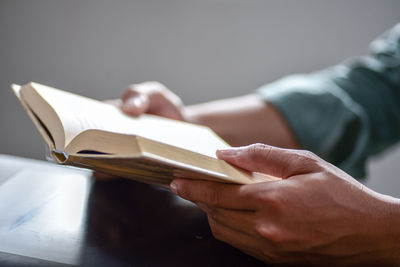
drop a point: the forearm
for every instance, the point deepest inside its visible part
(243, 120)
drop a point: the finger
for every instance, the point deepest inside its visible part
(145, 88)
(161, 101)
(213, 193)
(152, 98)
(242, 241)
(231, 236)
(239, 220)
(135, 102)
(272, 160)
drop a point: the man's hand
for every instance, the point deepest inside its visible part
(317, 214)
(152, 98)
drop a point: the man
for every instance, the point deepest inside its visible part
(317, 214)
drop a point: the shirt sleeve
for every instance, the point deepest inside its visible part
(348, 112)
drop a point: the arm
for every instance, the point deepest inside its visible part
(233, 119)
(344, 114)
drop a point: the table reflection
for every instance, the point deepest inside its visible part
(43, 213)
(63, 215)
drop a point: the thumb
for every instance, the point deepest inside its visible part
(134, 103)
(271, 160)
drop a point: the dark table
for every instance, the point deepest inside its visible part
(60, 216)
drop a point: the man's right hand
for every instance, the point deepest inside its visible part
(152, 98)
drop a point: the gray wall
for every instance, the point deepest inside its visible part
(201, 49)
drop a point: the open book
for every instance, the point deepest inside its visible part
(87, 133)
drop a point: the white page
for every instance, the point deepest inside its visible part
(78, 113)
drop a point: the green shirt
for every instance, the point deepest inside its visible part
(349, 112)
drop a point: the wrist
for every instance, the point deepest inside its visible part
(191, 114)
(389, 227)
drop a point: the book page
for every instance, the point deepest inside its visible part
(78, 113)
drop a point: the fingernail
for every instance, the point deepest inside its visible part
(174, 187)
(227, 152)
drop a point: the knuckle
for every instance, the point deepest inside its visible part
(257, 148)
(309, 156)
(311, 161)
(271, 233)
(259, 152)
(213, 198)
(263, 231)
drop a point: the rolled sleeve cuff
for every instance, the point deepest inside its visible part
(323, 117)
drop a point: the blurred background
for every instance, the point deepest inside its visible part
(202, 50)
